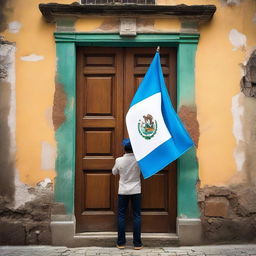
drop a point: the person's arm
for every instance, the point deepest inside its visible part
(115, 170)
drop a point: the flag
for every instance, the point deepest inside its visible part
(157, 134)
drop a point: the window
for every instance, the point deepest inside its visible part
(144, 2)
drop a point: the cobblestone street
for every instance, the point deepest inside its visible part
(220, 250)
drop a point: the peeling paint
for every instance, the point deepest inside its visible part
(233, 2)
(28, 217)
(32, 57)
(65, 24)
(244, 118)
(12, 113)
(240, 157)
(48, 155)
(243, 68)
(14, 27)
(8, 119)
(7, 59)
(60, 101)
(237, 112)
(188, 117)
(88, 24)
(3, 15)
(48, 117)
(249, 122)
(45, 182)
(248, 81)
(237, 39)
(145, 25)
(22, 195)
(109, 25)
(254, 18)
(65, 128)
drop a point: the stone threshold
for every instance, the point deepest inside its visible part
(108, 239)
(189, 232)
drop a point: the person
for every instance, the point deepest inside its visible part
(129, 190)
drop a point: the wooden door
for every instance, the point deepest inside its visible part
(107, 79)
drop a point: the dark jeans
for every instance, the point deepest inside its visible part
(123, 201)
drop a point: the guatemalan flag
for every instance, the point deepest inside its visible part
(156, 133)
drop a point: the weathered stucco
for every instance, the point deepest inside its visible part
(3, 15)
(60, 101)
(29, 223)
(249, 121)
(217, 82)
(7, 119)
(35, 72)
(222, 124)
(228, 214)
(248, 81)
(188, 117)
(7, 163)
(209, 85)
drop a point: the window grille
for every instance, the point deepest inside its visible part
(141, 2)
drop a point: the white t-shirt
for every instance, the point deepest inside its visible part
(128, 169)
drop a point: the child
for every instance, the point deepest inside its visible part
(129, 189)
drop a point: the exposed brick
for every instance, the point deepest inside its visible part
(216, 207)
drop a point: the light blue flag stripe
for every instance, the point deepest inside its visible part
(161, 157)
(150, 84)
(180, 141)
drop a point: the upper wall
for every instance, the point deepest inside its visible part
(223, 112)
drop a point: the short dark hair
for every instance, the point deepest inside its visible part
(127, 145)
(128, 148)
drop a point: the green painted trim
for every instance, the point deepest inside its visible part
(65, 134)
(187, 163)
(187, 182)
(111, 39)
(186, 74)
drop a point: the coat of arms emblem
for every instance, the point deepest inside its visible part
(147, 127)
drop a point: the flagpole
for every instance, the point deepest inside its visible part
(158, 49)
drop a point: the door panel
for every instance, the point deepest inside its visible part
(107, 79)
(98, 88)
(102, 201)
(99, 132)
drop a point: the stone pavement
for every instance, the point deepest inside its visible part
(212, 250)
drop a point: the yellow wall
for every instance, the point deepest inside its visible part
(35, 86)
(218, 74)
(34, 89)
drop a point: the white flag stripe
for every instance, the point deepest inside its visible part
(152, 106)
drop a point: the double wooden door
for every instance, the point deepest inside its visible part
(107, 79)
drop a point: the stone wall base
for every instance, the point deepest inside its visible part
(189, 231)
(228, 214)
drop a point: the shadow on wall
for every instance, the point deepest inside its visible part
(3, 15)
(7, 158)
(6, 163)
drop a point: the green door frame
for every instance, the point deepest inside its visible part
(66, 43)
